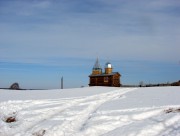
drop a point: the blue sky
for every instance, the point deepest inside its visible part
(42, 40)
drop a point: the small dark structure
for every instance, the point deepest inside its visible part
(108, 78)
(15, 86)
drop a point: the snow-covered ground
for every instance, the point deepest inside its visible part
(91, 111)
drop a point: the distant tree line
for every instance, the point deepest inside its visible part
(164, 84)
(142, 84)
(176, 83)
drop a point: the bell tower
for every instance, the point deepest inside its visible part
(97, 68)
(108, 68)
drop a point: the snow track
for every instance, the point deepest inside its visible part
(89, 116)
(58, 117)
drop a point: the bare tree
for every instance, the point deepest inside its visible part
(15, 86)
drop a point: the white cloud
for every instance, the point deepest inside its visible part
(120, 29)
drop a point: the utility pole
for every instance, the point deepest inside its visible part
(62, 82)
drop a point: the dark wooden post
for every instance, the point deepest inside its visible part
(62, 82)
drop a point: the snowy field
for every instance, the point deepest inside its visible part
(91, 111)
